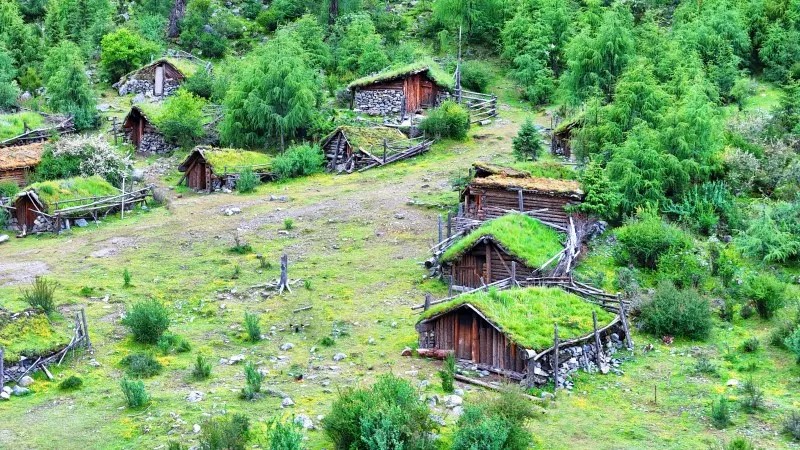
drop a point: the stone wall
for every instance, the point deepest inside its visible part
(145, 87)
(154, 143)
(380, 102)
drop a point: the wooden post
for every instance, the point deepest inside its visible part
(450, 286)
(122, 208)
(624, 316)
(598, 356)
(284, 280)
(513, 273)
(440, 228)
(555, 356)
(521, 201)
(2, 369)
(449, 225)
(85, 328)
(384, 159)
(114, 121)
(427, 304)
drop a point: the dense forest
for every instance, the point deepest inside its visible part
(684, 122)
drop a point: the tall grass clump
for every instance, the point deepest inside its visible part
(284, 436)
(449, 121)
(676, 312)
(253, 378)
(40, 294)
(739, 443)
(225, 433)
(495, 424)
(252, 326)
(134, 392)
(720, 413)
(447, 374)
(147, 320)
(248, 181)
(126, 278)
(752, 397)
(363, 419)
(141, 365)
(792, 343)
(202, 368)
(298, 161)
(70, 384)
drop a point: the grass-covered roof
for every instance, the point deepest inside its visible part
(434, 71)
(30, 335)
(368, 137)
(230, 160)
(21, 156)
(51, 192)
(184, 66)
(527, 315)
(569, 123)
(520, 235)
(535, 184)
(12, 125)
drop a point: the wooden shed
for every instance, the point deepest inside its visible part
(562, 136)
(402, 91)
(210, 169)
(17, 162)
(160, 78)
(503, 331)
(512, 245)
(496, 190)
(141, 130)
(352, 148)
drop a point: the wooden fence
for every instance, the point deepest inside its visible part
(481, 106)
(63, 126)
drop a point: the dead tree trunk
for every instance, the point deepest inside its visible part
(283, 283)
(178, 11)
(333, 11)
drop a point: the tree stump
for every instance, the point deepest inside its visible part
(283, 283)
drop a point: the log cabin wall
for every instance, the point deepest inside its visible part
(196, 174)
(26, 212)
(18, 175)
(337, 150)
(472, 338)
(487, 204)
(489, 261)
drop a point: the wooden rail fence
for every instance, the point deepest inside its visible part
(481, 106)
(63, 126)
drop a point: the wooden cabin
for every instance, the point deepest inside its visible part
(562, 136)
(16, 163)
(514, 245)
(142, 131)
(350, 148)
(502, 331)
(159, 78)
(496, 190)
(209, 169)
(403, 91)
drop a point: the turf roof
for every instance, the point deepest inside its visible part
(433, 69)
(368, 137)
(527, 315)
(184, 66)
(12, 125)
(522, 236)
(21, 156)
(227, 159)
(50, 192)
(536, 184)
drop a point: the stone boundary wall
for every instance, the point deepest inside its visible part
(379, 102)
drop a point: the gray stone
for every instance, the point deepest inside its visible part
(19, 391)
(81, 223)
(7, 389)
(138, 98)
(287, 346)
(235, 359)
(25, 381)
(196, 428)
(103, 107)
(232, 211)
(339, 356)
(3, 238)
(287, 402)
(451, 401)
(548, 396)
(137, 175)
(5, 396)
(194, 397)
(304, 421)
(406, 352)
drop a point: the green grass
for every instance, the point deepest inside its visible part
(527, 315)
(11, 125)
(227, 159)
(547, 169)
(522, 236)
(32, 336)
(436, 72)
(50, 192)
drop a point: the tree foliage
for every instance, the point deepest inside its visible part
(9, 91)
(359, 48)
(83, 22)
(68, 88)
(181, 120)
(123, 51)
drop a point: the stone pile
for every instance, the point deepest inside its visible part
(379, 102)
(146, 87)
(154, 143)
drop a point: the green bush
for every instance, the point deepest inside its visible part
(285, 436)
(123, 50)
(704, 366)
(141, 365)
(253, 378)
(8, 189)
(792, 342)
(781, 332)
(682, 268)
(720, 413)
(496, 424)
(298, 161)
(752, 397)
(70, 384)
(527, 144)
(252, 326)
(202, 368)
(447, 373)
(4, 218)
(327, 341)
(147, 320)
(126, 278)
(791, 425)
(751, 345)
(169, 342)
(288, 224)
(449, 121)
(739, 443)
(676, 312)
(40, 294)
(201, 84)
(475, 75)
(248, 181)
(181, 119)
(134, 392)
(362, 419)
(767, 293)
(225, 433)
(643, 241)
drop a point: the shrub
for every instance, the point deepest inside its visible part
(8, 189)
(40, 294)
(752, 397)
(751, 345)
(248, 181)
(739, 443)
(767, 293)
(83, 156)
(240, 247)
(134, 392)
(181, 119)
(298, 161)
(252, 326)
(168, 342)
(327, 341)
(793, 342)
(720, 413)
(447, 373)
(527, 144)
(202, 368)
(676, 312)
(253, 378)
(391, 409)
(645, 240)
(285, 436)
(449, 120)
(288, 224)
(225, 433)
(780, 333)
(497, 424)
(704, 366)
(475, 75)
(71, 383)
(123, 50)
(747, 311)
(147, 320)
(141, 365)
(126, 278)
(791, 425)
(201, 84)
(682, 268)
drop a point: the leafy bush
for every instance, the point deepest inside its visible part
(497, 424)
(447, 373)
(792, 342)
(84, 156)
(327, 341)
(252, 326)
(362, 419)
(751, 345)
(181, 119)
(677, 313)
(783, 330)
(168, 342)
(8, 189)
(720, 413)
(147, 320)
(739, 443)
(40, 294)
(71, 383)
(134, 392)
(288, 224)
(225, 433)
(704, 366)
(643, 241)
(791, 425)
(202, 368)
(298, 161)
(682, 268)
(752, 397)
(68, 88)
(475, 75)
(201, 84)
(527, 143)
(767, 293)
(141, 365)
(253, 378)
(4, 218)
(601, 198)
(123, 50)
(126, 278)
(449, 120)
(248, 181)
(285, 436)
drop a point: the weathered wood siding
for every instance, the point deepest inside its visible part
(198, 174)
(26, 211)
(18, 176)
(491, 203)
(488, 261)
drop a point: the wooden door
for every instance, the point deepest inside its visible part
(469, 270)
(463, 348)
(159, 81)
(26, 213)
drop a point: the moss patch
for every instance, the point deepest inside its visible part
(12, 125)
(527, 315)
(30, 336)
(50, 192)
(433, 69)
(522, 236)
(226, 159)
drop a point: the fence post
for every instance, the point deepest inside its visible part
(449, 224)
(555, 356)
(284, 280)
(384, 156)
(427, 304)
(624, 316)
(440, 228)
(513, 273)
(85, 328)
(521, 201)
(596, 340)
(122, 208)
(2, 368)
(450, 286)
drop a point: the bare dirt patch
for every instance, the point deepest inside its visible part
(14, 273)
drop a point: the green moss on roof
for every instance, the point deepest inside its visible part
(151, 110)
(527, 315)
(50, 192)
(435, 71)
(31, 336)
(231, 160)
(369, 137)
(12, 125)
(185, 66)
(569, 123)
(522, 236)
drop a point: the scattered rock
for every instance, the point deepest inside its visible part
(81, 223)
(451, 401)
(94, 363)
(5, 396)
(3, 238)
(7, 389)
(25, 381)
(138, 98)
(281, 198)
(287, 346)
(194, 397)
(232, 211)
(196, 429)
(19, 391)
(339, 356)
(103, 107)
(235, 359)
(399, 216)
(287, 402)
(548, 396)
(304, 421)
(406, 352)
(371, 341)
(732, 382)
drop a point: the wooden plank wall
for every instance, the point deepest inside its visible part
(14, 175)
(489, 262)
(507, 200)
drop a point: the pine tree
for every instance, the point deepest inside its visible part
(528, 142)
(68, 87)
